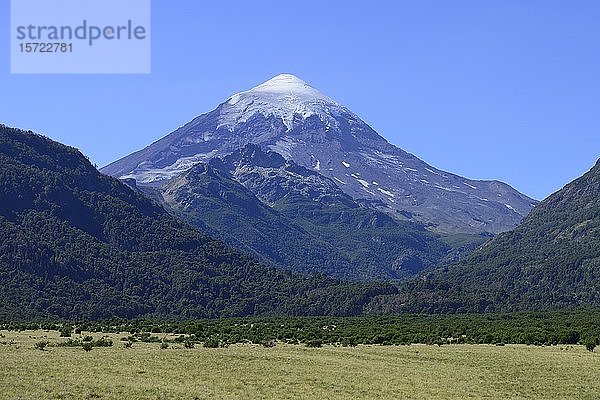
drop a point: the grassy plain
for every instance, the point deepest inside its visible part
(292, 371)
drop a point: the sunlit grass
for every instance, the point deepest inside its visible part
(293, 372)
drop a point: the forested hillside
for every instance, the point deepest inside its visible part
(551, 260)
(78, 244)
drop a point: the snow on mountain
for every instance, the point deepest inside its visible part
(290, 117)
(286, 97)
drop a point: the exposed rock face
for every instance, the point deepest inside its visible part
(291, 216)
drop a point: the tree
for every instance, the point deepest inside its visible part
(65, 331)
(211, 342)
(590, 344)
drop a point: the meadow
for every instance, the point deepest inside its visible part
(290, 371)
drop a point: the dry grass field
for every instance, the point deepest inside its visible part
(146, 371)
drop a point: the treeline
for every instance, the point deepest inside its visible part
(531, 328)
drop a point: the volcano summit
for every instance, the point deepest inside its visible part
(288, 116)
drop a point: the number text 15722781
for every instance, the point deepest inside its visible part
(46, 47)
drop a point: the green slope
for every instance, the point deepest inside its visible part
(551, 260)
(77, 244)
(378, 246)
(210, 200)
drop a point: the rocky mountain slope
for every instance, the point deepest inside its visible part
(292, 118)
(291, 216)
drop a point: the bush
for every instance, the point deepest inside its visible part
(102, 342)
(127, 345)
(88, 338)
(69, 343)
(87, 346)
(188, 344)
(42, 344)
(349, 342)
(268, 343)
(65, 331)
(164, 345)
(211, 342)
(314, 343)
(569, 337)
(590, 344)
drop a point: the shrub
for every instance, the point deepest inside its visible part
(102, 342)
(130, 338)
(42, 344)
(164, 345)
(65, 331)
(188, 344)
(314, 343)
(211, 342)
(268, 343)
(349, 342)
(590, 344)
(127, 345)
(88, 338)
(69, 343)
(87, 346)
(180, 339)
(570, 337)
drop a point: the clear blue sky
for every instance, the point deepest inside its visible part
(506, 90)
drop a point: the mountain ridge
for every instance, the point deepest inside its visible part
(552, 260)
(292, 216)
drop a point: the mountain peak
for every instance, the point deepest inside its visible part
(290, 117)
(286, 92)
(284, 96)
(284, 83)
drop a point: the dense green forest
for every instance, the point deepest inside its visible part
(78, 244)
(551, 260)
(534, 328)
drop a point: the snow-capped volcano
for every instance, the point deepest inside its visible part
(286, 97)
(290, 117)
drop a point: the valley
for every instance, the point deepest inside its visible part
(145, 371)
(301, 200)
